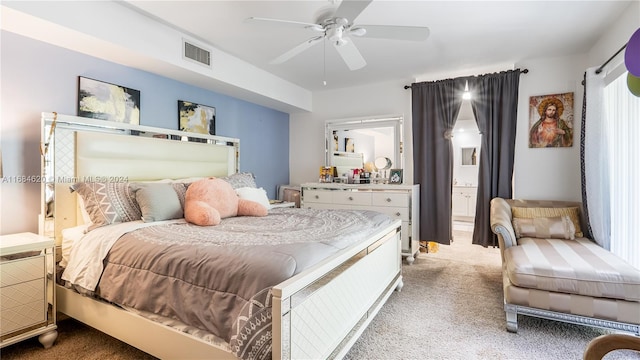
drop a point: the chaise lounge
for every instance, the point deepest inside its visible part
(550, 270)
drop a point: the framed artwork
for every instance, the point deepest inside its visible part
(395, 176)
(349, 145)
(551, 120)
(196, 118)
(101, 100)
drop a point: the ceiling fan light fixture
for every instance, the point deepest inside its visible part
(316, 27)
(340, 42)
(334, 34)
(358, 31)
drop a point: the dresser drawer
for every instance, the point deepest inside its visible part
(21, 270)
(390, 199)
(23, 305)
(395, 213)
(362, 198)
(317, 196)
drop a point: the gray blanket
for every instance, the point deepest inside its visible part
(219, 278)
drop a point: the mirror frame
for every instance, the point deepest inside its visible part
(394, 121)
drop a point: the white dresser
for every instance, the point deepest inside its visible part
(27, 306)
(397, 201)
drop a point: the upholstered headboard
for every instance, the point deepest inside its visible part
(87, 150)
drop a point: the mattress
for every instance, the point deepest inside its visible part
(217, 279)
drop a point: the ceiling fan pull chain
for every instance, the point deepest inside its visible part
(324, 61)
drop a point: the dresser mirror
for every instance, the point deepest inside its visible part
(358, 143)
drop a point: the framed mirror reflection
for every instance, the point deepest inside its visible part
(371, 143)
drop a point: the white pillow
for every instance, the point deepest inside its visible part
(258, 195)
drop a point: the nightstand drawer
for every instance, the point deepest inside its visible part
(21, 270)
(391, 199)
(22, 306)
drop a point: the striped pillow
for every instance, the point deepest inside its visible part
(558, 227)
(546, 212)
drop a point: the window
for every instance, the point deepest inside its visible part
(623, 126)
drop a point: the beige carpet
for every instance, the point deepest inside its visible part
(450, 308)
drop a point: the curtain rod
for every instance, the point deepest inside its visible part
(523, 72)
(599, 70)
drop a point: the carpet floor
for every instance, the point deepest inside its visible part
(449, 308)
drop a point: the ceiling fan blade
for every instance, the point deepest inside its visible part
(297, 50)
(296, 24)
(350, 9)
(350, 54)
(411, 33)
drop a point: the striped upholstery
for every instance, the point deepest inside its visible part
(574, 267)
(566, 280)
(593, 307)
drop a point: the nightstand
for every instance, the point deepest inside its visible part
(27, 289)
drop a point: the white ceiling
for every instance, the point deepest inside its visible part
(464, 34)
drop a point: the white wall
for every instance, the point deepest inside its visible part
(307, 129)
(548, 173)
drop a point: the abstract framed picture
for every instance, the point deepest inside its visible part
(196, 118)
(105, 101)
(349, 146)
(551, 120)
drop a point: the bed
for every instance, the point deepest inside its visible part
(314, 293)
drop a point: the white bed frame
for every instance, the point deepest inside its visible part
(318, 314)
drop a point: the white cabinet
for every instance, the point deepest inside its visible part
(27, 306)
(397, 201)
(463, 202)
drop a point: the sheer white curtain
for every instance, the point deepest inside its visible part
(623, 126)
(596, 159)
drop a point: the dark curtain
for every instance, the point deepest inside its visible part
(494, 100)
(435, 108)
(583, 183)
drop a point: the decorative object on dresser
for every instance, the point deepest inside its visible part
(397, 201)
(395, 176)
(28, 306)
(101, 100)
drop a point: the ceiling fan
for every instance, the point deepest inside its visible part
(339, 26)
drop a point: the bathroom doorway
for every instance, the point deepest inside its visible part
(466, 151)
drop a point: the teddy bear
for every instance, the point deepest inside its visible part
(209, 200)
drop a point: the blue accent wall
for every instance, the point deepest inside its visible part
(39, 77)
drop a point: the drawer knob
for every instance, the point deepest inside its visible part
(350, 197)
(317, 197)
(388, 199)
(397, 214)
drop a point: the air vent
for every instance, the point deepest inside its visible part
(197, 54)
